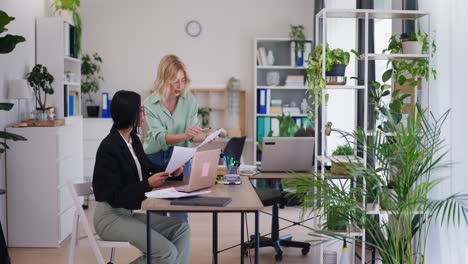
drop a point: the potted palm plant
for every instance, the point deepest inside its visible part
(41, 81)
(90, 78)
(409, 156)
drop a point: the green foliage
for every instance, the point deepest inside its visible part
(417, 67)
(287, 128)
(71, 5)
(41, 82)
(90, 73)
(407, 159)
(345, 149)
(316, 82)
(5, 135)
(7, 45)
(8, 42)
(204, 114)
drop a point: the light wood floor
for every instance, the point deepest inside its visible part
(200, 252)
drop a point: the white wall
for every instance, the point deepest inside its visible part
(16, 64)
(133, 36)
(449, 23)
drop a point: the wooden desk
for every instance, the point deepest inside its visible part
(273, 175)
(244, 200)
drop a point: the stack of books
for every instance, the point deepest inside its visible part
(291, 110)
(295, 81)
(276, 107)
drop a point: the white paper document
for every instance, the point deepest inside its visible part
(211, 137)
(180, 156)
(172, 193)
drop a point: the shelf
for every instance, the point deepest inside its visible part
(218, 108)
(374, 209)
(338, 158)
(345, 87)
(67, 58)
(276, 39)
(372, 133)
(379, 56)
(283, 87)
(282, 67)
(332, 176)
(354, 232)
(373, 13)
(275, 115)
(71, 83)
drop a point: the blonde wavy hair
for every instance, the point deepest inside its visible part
(167, 73)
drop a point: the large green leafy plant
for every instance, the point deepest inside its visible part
(41, 81)
(90, 72)
(8, 42)
(408, 158)
(7, 45)
(72, 6)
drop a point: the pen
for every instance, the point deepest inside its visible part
(206, 129)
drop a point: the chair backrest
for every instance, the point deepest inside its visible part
(77, 190)
(234, 148)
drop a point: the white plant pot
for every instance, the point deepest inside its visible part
(67, 16)
(412, 47)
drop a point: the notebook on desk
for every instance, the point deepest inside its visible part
(203, 201)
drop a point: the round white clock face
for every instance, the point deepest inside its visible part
(193, 28)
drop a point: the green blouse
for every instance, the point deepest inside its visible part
(161, 122)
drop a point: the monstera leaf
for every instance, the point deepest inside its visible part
(8, 42)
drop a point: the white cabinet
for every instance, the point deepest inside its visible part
(94, 131)
(39, 206)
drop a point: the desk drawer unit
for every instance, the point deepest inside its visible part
(39, 207)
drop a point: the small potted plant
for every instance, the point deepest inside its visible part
(414, 43)
(297, 35)
(41, 82)
(90, 77)
(342, 156)
(204, 114)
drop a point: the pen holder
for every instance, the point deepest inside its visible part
(234, 169)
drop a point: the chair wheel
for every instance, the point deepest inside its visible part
(279, 257)
(85, 206)
(305, 250)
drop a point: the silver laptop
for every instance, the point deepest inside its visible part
(281, 154)
(204, 171)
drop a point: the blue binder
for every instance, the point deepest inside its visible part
(261, 101)
(71, 105)
(105, 105)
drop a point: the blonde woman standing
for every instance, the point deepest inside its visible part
(171, 115)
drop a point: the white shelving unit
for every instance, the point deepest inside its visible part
(366, 15)
(281, 48)
(50, 47)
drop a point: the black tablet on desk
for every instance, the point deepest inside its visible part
(202, 201)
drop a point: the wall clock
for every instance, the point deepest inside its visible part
(193, 28)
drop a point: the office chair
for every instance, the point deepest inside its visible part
(91, 239)
(234, 148)
(273, 197)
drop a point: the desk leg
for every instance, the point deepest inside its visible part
(215, 238)
(257, 237)
(242, 238)
(148, 237)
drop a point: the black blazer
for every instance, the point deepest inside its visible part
(115, 177)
